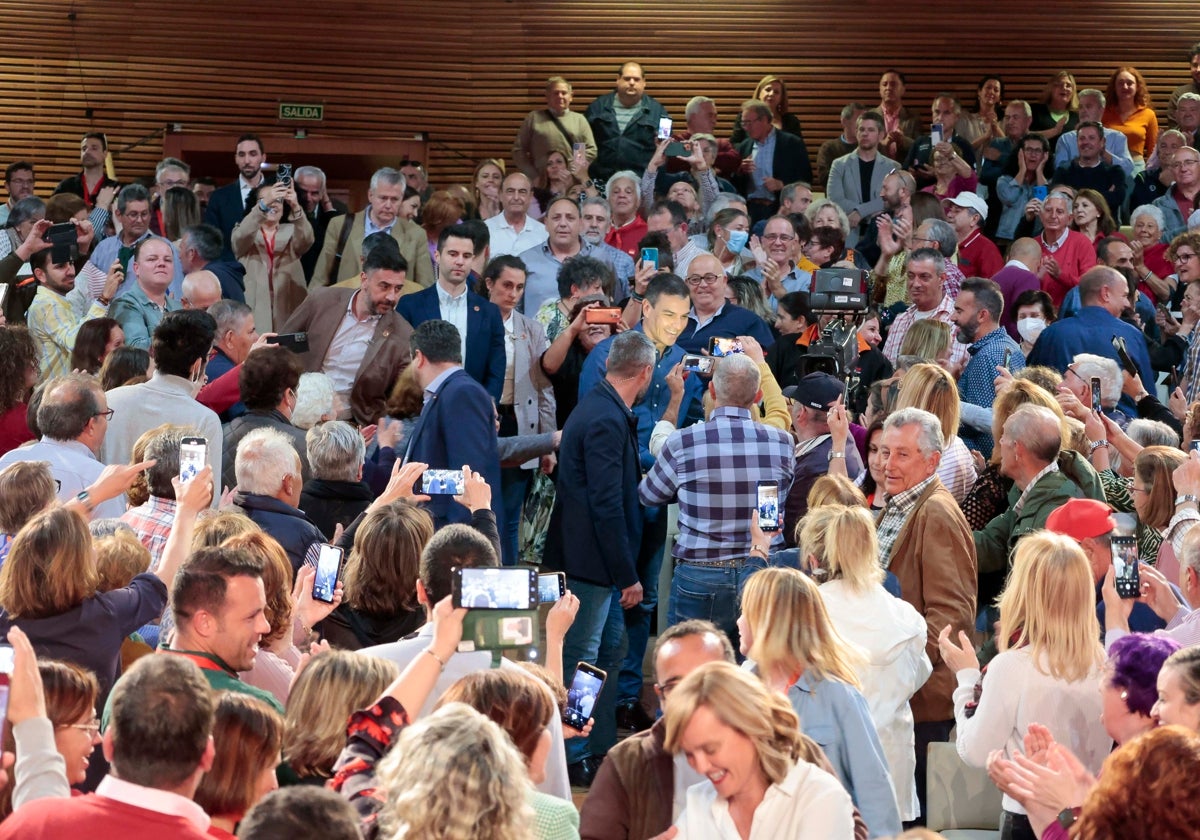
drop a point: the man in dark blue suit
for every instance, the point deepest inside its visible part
(596, 526)
(477, 319)
(227, 204)
(457, 426)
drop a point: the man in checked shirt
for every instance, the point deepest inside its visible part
(713, 469)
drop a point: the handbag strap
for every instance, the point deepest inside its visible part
(562, 129)
(343, 238)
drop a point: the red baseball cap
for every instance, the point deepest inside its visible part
(1081, 519)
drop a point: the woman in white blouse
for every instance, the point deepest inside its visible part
(930, 387)
(1049, 670)
(746, 741)
(841, 541)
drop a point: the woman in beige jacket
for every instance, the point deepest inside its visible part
(269, 242)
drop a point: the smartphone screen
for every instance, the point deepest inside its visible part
(935, 133)
(193, 453)
(602, 315)
(1041, 192)
(650, 255)
(6, 669)
(664, 128)
(1095, 394)
(768, 507)
(581, 696)
(442, 482)
(494, 588)
(1125, 566)
(1007, 357)
(699, 364)
(329, 564)
(551, 587)
(725, 346)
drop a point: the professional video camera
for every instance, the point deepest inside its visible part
(837, 292)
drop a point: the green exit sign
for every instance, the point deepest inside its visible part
(301, 112)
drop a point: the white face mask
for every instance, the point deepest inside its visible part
(1031, 328)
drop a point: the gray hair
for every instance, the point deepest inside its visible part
(1189, 552)
(310, 172)
(926, 254)
(1151, 211)
(314, 400)
(229, 314)
(27, 208)
(1152, 433)
(1187, 97)
(335, 451)
(387, 175)
(852, 108)
(265, 457)
(943, 233)
(1061, 196)
(163, 447)
(724, 201)
(170, 163)
(1037, 429)
(694, 104)
(1098, 94)
(789, 190)
(596, 201)
(133, 192)
(1175, 132)
(736, 380)
(1024, 106)
(1088, 366)
(820, 204)
(758, 107)
(930, 438)
(630, 352)
(68, 404)
(623, 175)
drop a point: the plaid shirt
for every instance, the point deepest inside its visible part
(976, 384)
(713, 470)
(904, 322)
(1052, 467)
(152, 523)
(54, 321)
(1191, 371)
(895, 513)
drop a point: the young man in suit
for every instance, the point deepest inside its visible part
(865, 167)
(355, 335)
(477, 320)
(227, 205)
(457, 426)
(770, 159)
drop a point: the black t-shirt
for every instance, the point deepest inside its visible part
(866, 168)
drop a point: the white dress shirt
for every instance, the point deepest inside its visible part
(505, 239)
(454, 310)
(346, 352)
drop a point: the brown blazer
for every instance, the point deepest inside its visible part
(386, 358)
(409, 235)
(934, 559)
(272, 291)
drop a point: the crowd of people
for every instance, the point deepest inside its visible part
(611, 357)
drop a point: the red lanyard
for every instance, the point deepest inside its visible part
(89, 198)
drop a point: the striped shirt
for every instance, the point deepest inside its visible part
(713, 470)
(895, 513)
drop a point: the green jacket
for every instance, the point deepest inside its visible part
(994, 544)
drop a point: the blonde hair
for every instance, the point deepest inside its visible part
(1049, 604)
(791, 629)
(215, 527)
(932, 388)
(842, 539)
(455, 775)
(928, 339)
(277, 577)
(50, 568)
(1023, 392)
(334, 685)
(835, 490)
(120, 557)
(744, 703)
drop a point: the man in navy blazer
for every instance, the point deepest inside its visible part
(457, 426)
(477, 319)
(761, 180)
(596, 524)
(227, 204)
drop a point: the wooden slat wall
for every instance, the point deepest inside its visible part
(465, 73)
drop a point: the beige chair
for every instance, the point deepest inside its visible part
(962, 802)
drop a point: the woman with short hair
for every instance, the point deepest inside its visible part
(246, 735)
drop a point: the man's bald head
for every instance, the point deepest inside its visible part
(201, 289)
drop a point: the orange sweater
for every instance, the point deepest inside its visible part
(1141, 129)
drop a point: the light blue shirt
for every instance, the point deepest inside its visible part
(541, 279)
(73, 466)
(1115, 143)
(764, 163)
(369, 227)
(796, 280)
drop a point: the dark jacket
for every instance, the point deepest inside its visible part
(628, 149)
(348, 629)
(596, 524)
(330, 503)
(239, 427)
(485, 334)
(289, 526)
(790, 162)
(231, 274)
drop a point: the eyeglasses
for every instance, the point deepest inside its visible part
(1187, 162)
(130, 214)
(703, 279)
(92, 729)
(107, 415)
(1182, 257)
(778, 237)
(1133, 488)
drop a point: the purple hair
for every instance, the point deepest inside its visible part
(1135, 661)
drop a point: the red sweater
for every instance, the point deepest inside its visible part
(96, 818)
(1074, 258)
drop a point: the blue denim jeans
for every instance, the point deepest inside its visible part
(639, 619)
(710, 592)
(598, 637)
(514, 486)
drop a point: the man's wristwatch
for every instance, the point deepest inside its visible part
(836, 454)
(1068, 816)
(1184, 498)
